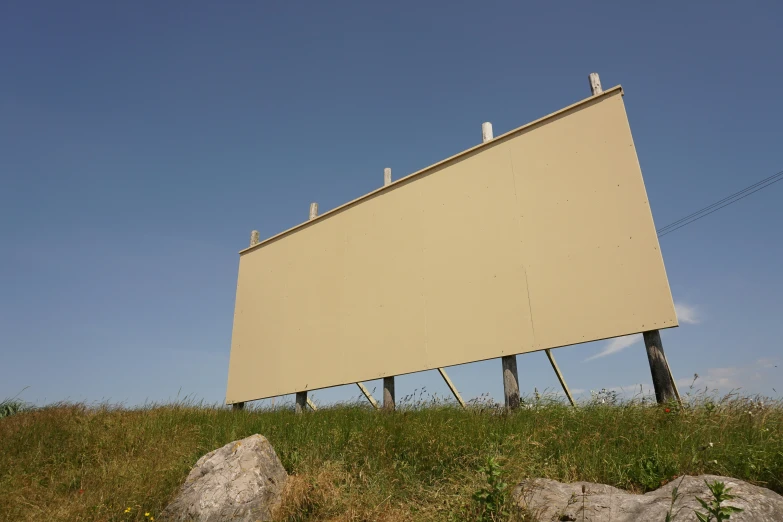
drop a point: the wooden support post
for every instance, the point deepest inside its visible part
(311, 404)
(388, 393)
(388, 382)
(301, 397)
(595, 84)
(451, 387)
(510, 382)
(510, 377)
(560, 376)
(663, 381)
(367, 394)
(676, 391)
(661, 375)
(301, 402)
(486, 132)
(254, 240)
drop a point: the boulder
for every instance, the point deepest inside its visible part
(549, 500)
(242, 481)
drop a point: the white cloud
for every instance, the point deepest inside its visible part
(686, 314)
(722, 378)
(561, 393)
(631, 390)
(638, 388)
(616, 345)
(758, 376)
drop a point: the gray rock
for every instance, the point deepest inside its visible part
(242, 481)
(549, 500)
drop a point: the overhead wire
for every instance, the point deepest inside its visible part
(725, 202)
(719, 202)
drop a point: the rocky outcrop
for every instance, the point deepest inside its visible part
(242, 481)
(549, 500)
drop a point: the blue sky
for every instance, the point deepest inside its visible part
(141, 142)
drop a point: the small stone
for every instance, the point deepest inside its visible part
(242, 481)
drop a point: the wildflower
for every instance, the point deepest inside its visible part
(667, 410)
(711, 444)
(715, 461)
(81, 491)
(127, 510)
(152, 518)
(147, 514)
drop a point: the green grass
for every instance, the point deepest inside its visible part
(73, 462)
(12, 406)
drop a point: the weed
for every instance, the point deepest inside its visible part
(9, 407)
(715, 510)
(604, 396)
(493, 497)
(651, 471)
(676, 495)
(13, 406)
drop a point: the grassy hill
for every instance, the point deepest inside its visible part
(73, 462)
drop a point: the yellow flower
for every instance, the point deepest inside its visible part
(127, 510)
(147, 514)
(152, 518)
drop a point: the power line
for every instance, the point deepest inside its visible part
(719, 202)
(725, 202)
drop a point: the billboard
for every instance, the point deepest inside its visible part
(540, 238)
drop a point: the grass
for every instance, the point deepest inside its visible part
(74, 462)
(11, 406)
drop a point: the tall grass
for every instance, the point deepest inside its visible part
(9, 407)
(348, 462)
(12, 405)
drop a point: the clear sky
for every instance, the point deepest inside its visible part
(140, 142)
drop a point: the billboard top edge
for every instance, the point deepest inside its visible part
(606, 94)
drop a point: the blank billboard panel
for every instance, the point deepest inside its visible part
(540, 238)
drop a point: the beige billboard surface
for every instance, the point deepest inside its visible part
(540, 238)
